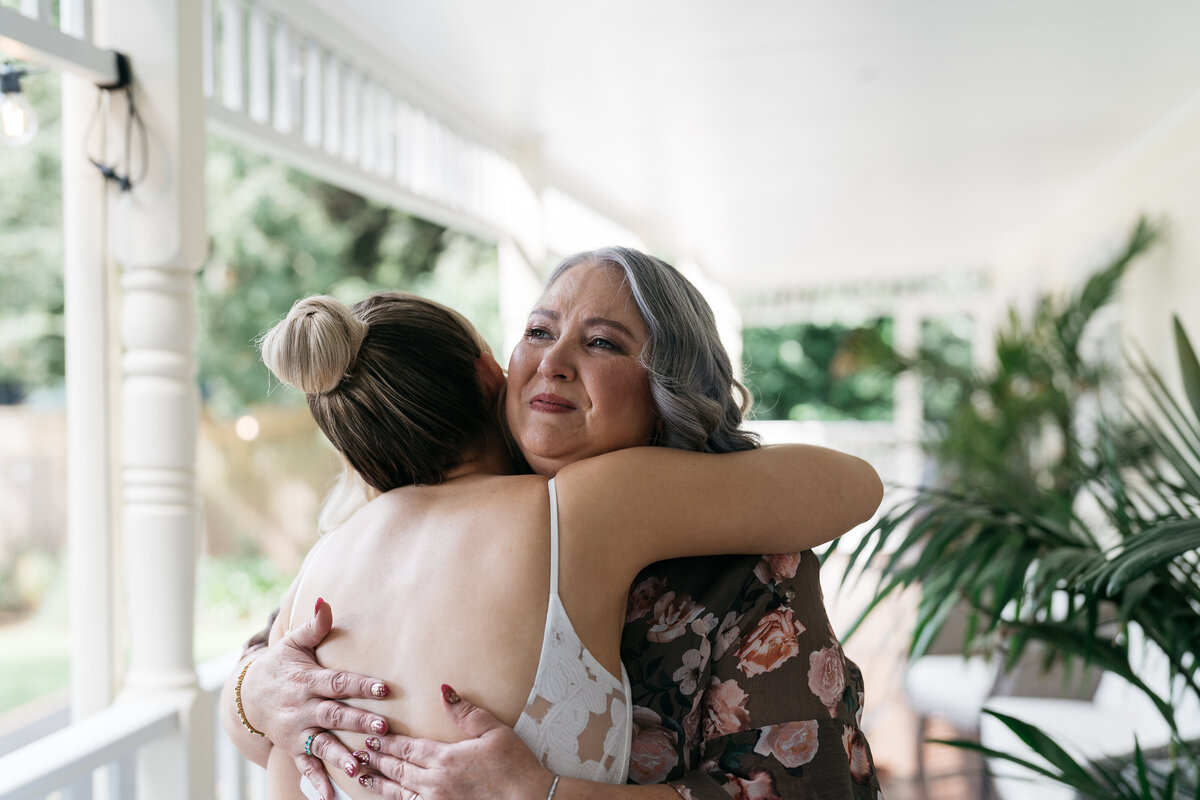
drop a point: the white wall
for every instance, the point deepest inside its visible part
(1157, 175)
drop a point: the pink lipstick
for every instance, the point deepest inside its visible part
(551, 404)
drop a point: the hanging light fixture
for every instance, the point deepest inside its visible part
(18, 122)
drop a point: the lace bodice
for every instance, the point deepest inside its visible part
(577, 720)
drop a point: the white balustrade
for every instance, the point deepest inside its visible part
(97, 758)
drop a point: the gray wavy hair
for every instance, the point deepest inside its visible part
(691, 378)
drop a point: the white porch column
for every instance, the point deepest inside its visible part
(157, 236)
(89, 462)
(520, 287)
(908, 404)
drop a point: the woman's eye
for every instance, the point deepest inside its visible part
(603, 344)
(536, 333)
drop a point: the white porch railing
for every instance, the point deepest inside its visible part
(317, 99)
(31, 32)
(97, 758)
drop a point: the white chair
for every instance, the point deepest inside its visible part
(1105, 726)
(947, 685)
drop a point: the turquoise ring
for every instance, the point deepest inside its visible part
(308, 744)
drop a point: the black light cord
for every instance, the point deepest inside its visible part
(133, 120)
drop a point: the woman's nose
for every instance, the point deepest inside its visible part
(557, 362)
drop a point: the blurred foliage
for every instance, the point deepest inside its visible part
(1007, 532)
(278, 235)
(25, 576)
(31, 250)
(819, 372)
(1017, 449)
(239, 587)
(951, 339)
(1150, 578)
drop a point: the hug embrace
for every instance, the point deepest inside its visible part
(535, 576)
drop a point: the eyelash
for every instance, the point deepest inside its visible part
(605, 343)
(537, 334)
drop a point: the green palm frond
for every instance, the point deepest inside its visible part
(1189, 367)
(1001, 535)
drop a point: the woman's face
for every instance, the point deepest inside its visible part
(576, 386)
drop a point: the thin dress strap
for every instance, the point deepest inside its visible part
(553, 540)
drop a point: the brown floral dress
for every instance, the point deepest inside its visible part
(740, 687)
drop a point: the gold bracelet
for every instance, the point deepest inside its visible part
(237, 695)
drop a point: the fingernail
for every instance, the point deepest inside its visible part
(378, 726)
(320, 602)
(379, 689)
(351, 767)
(367, 781)
(363, 756)
(449, 695)
(373, 743)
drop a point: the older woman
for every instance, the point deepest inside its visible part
(738, 683)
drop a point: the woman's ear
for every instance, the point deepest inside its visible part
(491, 376)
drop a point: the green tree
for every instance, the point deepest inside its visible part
(278, 235)
(829, 372)
(31, 251)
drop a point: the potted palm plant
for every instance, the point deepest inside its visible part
(1001, 532)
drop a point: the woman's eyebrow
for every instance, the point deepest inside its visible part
(610, 323)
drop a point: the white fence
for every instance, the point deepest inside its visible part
(97, 757)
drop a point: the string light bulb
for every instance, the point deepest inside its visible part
(18, 121)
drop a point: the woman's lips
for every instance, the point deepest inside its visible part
(551, 404)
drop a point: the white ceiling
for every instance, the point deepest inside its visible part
(791, 141)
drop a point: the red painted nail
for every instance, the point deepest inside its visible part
(373, 743)
(351, 767)
(449, 695)
(320, 602)
(363, 756)
(367, 781)
(379, 689)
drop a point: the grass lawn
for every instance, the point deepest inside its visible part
(34, 661)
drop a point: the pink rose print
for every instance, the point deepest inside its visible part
(761, 786)
(777, 567)
(672, 615)
(727, 634)
(827, 676)
(791, 743)
(653, 755)
(856, 750)
(725, 709)
(772, 642)
(694, 662)
(642, 598)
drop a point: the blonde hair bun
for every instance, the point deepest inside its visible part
(315, 346)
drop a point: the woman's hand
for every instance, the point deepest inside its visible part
(492, 765)
(288, 696)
